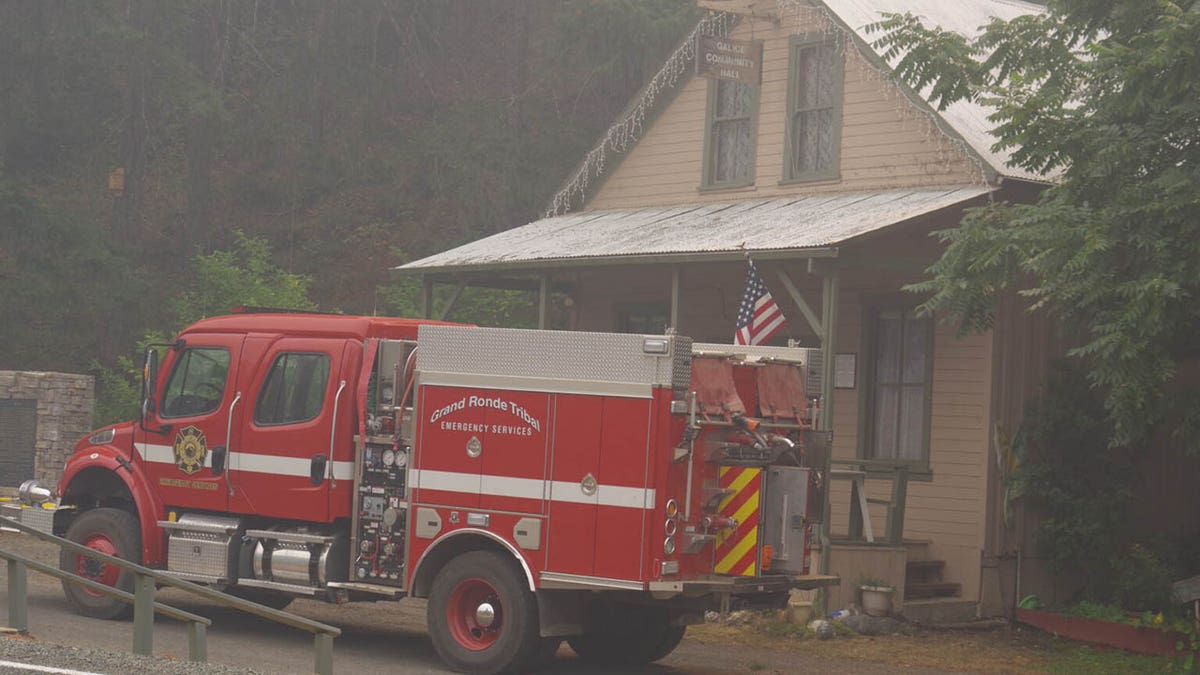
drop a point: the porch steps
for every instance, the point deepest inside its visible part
(923, 576)
(931, 589)
(925, 569)
(940, 611)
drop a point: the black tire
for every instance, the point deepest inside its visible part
(111, 531)
(466, 645)
(544, 653)
(626, 635)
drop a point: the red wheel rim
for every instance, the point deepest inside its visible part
(466, 614)
(93, 569)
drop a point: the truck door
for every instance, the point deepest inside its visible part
(288, 457)
(194, 417)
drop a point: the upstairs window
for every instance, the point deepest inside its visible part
(729, 145)
(294, 389)
(814, 125)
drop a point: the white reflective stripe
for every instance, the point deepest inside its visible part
(532, 488)
(250, 462)
(163, 454)
(507, 486)
(29, 667)
(444, 480)
(606, 495)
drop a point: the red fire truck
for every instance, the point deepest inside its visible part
(535, 486)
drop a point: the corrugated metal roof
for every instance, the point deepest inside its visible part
(966, 17)
(783, 224)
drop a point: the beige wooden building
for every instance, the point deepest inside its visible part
(832, 177)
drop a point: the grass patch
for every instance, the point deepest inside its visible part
(1072, 658)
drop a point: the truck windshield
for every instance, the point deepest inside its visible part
(197, 382)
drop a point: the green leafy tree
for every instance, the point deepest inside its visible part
(481, 306)
(243, 276)
(217, 282)
(1106, 94)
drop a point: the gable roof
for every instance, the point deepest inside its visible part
(966, 119)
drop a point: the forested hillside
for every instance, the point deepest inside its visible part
(138, 137)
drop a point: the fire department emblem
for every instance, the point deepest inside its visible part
(190, 450)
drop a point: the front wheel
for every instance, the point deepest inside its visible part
(110, 531)
(482, 618)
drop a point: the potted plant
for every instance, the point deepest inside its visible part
(876, 596)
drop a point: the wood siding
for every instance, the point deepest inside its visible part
(886, 141)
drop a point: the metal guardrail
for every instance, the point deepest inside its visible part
(144, 605)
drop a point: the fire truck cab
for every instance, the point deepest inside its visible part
(535, 486)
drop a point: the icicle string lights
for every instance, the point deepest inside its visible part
(629, 128)
(808, 18)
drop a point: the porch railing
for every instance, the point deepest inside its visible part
(857, 472)
(144, 605)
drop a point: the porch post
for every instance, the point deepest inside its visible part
(829, 305)
(543, 301)
(458, 291)
(426, 297)
(675, 298)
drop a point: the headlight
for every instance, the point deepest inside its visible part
(103, 436)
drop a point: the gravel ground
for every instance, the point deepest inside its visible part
(19, 650)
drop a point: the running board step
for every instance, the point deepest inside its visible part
(376, 589)
(278, 586)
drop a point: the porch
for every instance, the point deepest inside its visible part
(833, 263)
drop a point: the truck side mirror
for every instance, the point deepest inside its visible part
(316, 470)
(149, 379)
(218, 460)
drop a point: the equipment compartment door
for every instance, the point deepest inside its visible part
(514, 452)
(193, 417)
(598, 494)
(289, 458)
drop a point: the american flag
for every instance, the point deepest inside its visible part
(759, 317)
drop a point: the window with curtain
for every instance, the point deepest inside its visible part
(900, 388)
(732, 108)
(814, 124)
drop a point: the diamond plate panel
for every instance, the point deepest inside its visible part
(205, 551)
(563, 355)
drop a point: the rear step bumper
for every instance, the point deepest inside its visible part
(737, 585)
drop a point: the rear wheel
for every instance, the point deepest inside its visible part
(110, 531)
(627, 635)
(482, 618)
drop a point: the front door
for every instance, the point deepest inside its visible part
(195, 415)
(300, 386)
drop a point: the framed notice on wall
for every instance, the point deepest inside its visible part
(845, 367)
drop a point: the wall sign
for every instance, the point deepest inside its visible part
(724, 59)
(845, 367)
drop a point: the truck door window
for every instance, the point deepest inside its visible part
(197, 382)
(294, 389)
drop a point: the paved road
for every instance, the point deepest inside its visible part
(385, 637)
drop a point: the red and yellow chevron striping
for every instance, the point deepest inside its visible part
(737, 550)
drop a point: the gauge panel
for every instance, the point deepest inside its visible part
(382, 515)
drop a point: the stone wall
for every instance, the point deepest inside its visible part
(63, 403)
